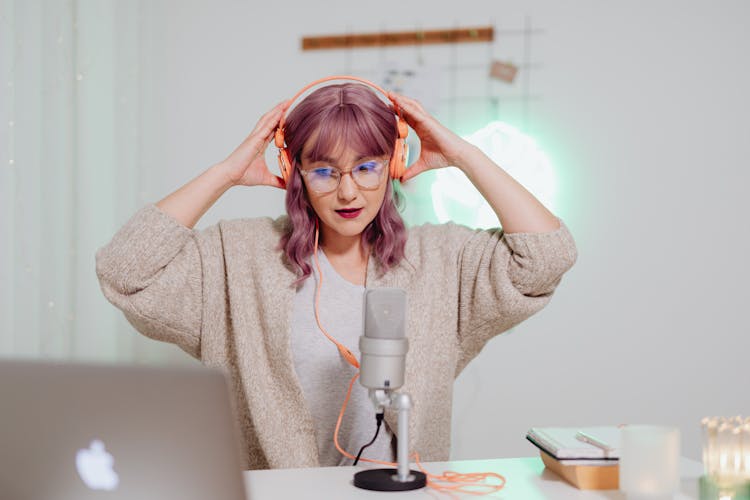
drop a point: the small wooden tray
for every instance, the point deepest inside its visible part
(585, 477)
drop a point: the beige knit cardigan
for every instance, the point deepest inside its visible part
(224, 295)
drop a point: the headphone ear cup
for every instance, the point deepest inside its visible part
(400, 150)
(403, 128)
(398, 160)
(285, 165)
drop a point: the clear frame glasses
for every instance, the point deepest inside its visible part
(366, 175)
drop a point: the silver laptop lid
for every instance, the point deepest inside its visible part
(74, 431)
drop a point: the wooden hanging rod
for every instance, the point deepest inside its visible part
(393, 38)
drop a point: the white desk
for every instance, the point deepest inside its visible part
(527, 479)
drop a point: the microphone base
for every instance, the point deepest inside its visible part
(387, 480)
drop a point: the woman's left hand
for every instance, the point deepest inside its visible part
(440, 147)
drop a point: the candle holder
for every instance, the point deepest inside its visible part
(649, 461)
(726, 458)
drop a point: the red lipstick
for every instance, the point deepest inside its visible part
(349, 213)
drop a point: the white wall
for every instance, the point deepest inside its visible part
(644, 108)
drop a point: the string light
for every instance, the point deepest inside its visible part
(11, 109)
(11, 124)
(15, 45)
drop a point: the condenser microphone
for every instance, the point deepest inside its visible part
(383, 346)
(381, 369)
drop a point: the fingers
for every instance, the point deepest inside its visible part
(410, 106)
(271, 119)
(270, 179)
(258, 174)
(270, 136)
(274, 181)
(278, 182)
(281, 106)
(263, 133)
(414, 170)
(257, 145)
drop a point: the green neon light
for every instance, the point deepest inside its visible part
(454, 197)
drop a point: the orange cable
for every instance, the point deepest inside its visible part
(463, 482)
(346, 353)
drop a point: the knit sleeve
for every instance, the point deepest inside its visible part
(152, 271)
(506, 278)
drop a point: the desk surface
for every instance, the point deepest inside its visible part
(526, 478)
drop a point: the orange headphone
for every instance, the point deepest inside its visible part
(400, 151)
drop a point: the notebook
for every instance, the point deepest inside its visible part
(74, 431)
(562, 444)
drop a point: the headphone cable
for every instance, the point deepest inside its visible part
(379, 422)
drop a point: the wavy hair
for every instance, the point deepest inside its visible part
(343, 114)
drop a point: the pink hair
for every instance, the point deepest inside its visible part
(353, 115)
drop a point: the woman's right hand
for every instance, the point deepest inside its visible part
(246, 166)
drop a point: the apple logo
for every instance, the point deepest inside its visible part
(94, 466)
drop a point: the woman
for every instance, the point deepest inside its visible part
(240, 294)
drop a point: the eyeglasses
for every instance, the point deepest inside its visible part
(326, 179)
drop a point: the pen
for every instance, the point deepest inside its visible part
(588, 438)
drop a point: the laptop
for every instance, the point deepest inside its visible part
(82, 431)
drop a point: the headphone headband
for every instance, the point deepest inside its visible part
(336, 77)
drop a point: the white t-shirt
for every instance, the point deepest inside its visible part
(325, 375)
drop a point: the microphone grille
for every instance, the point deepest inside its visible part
(385, 313)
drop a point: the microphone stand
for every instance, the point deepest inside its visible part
(402, 478)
